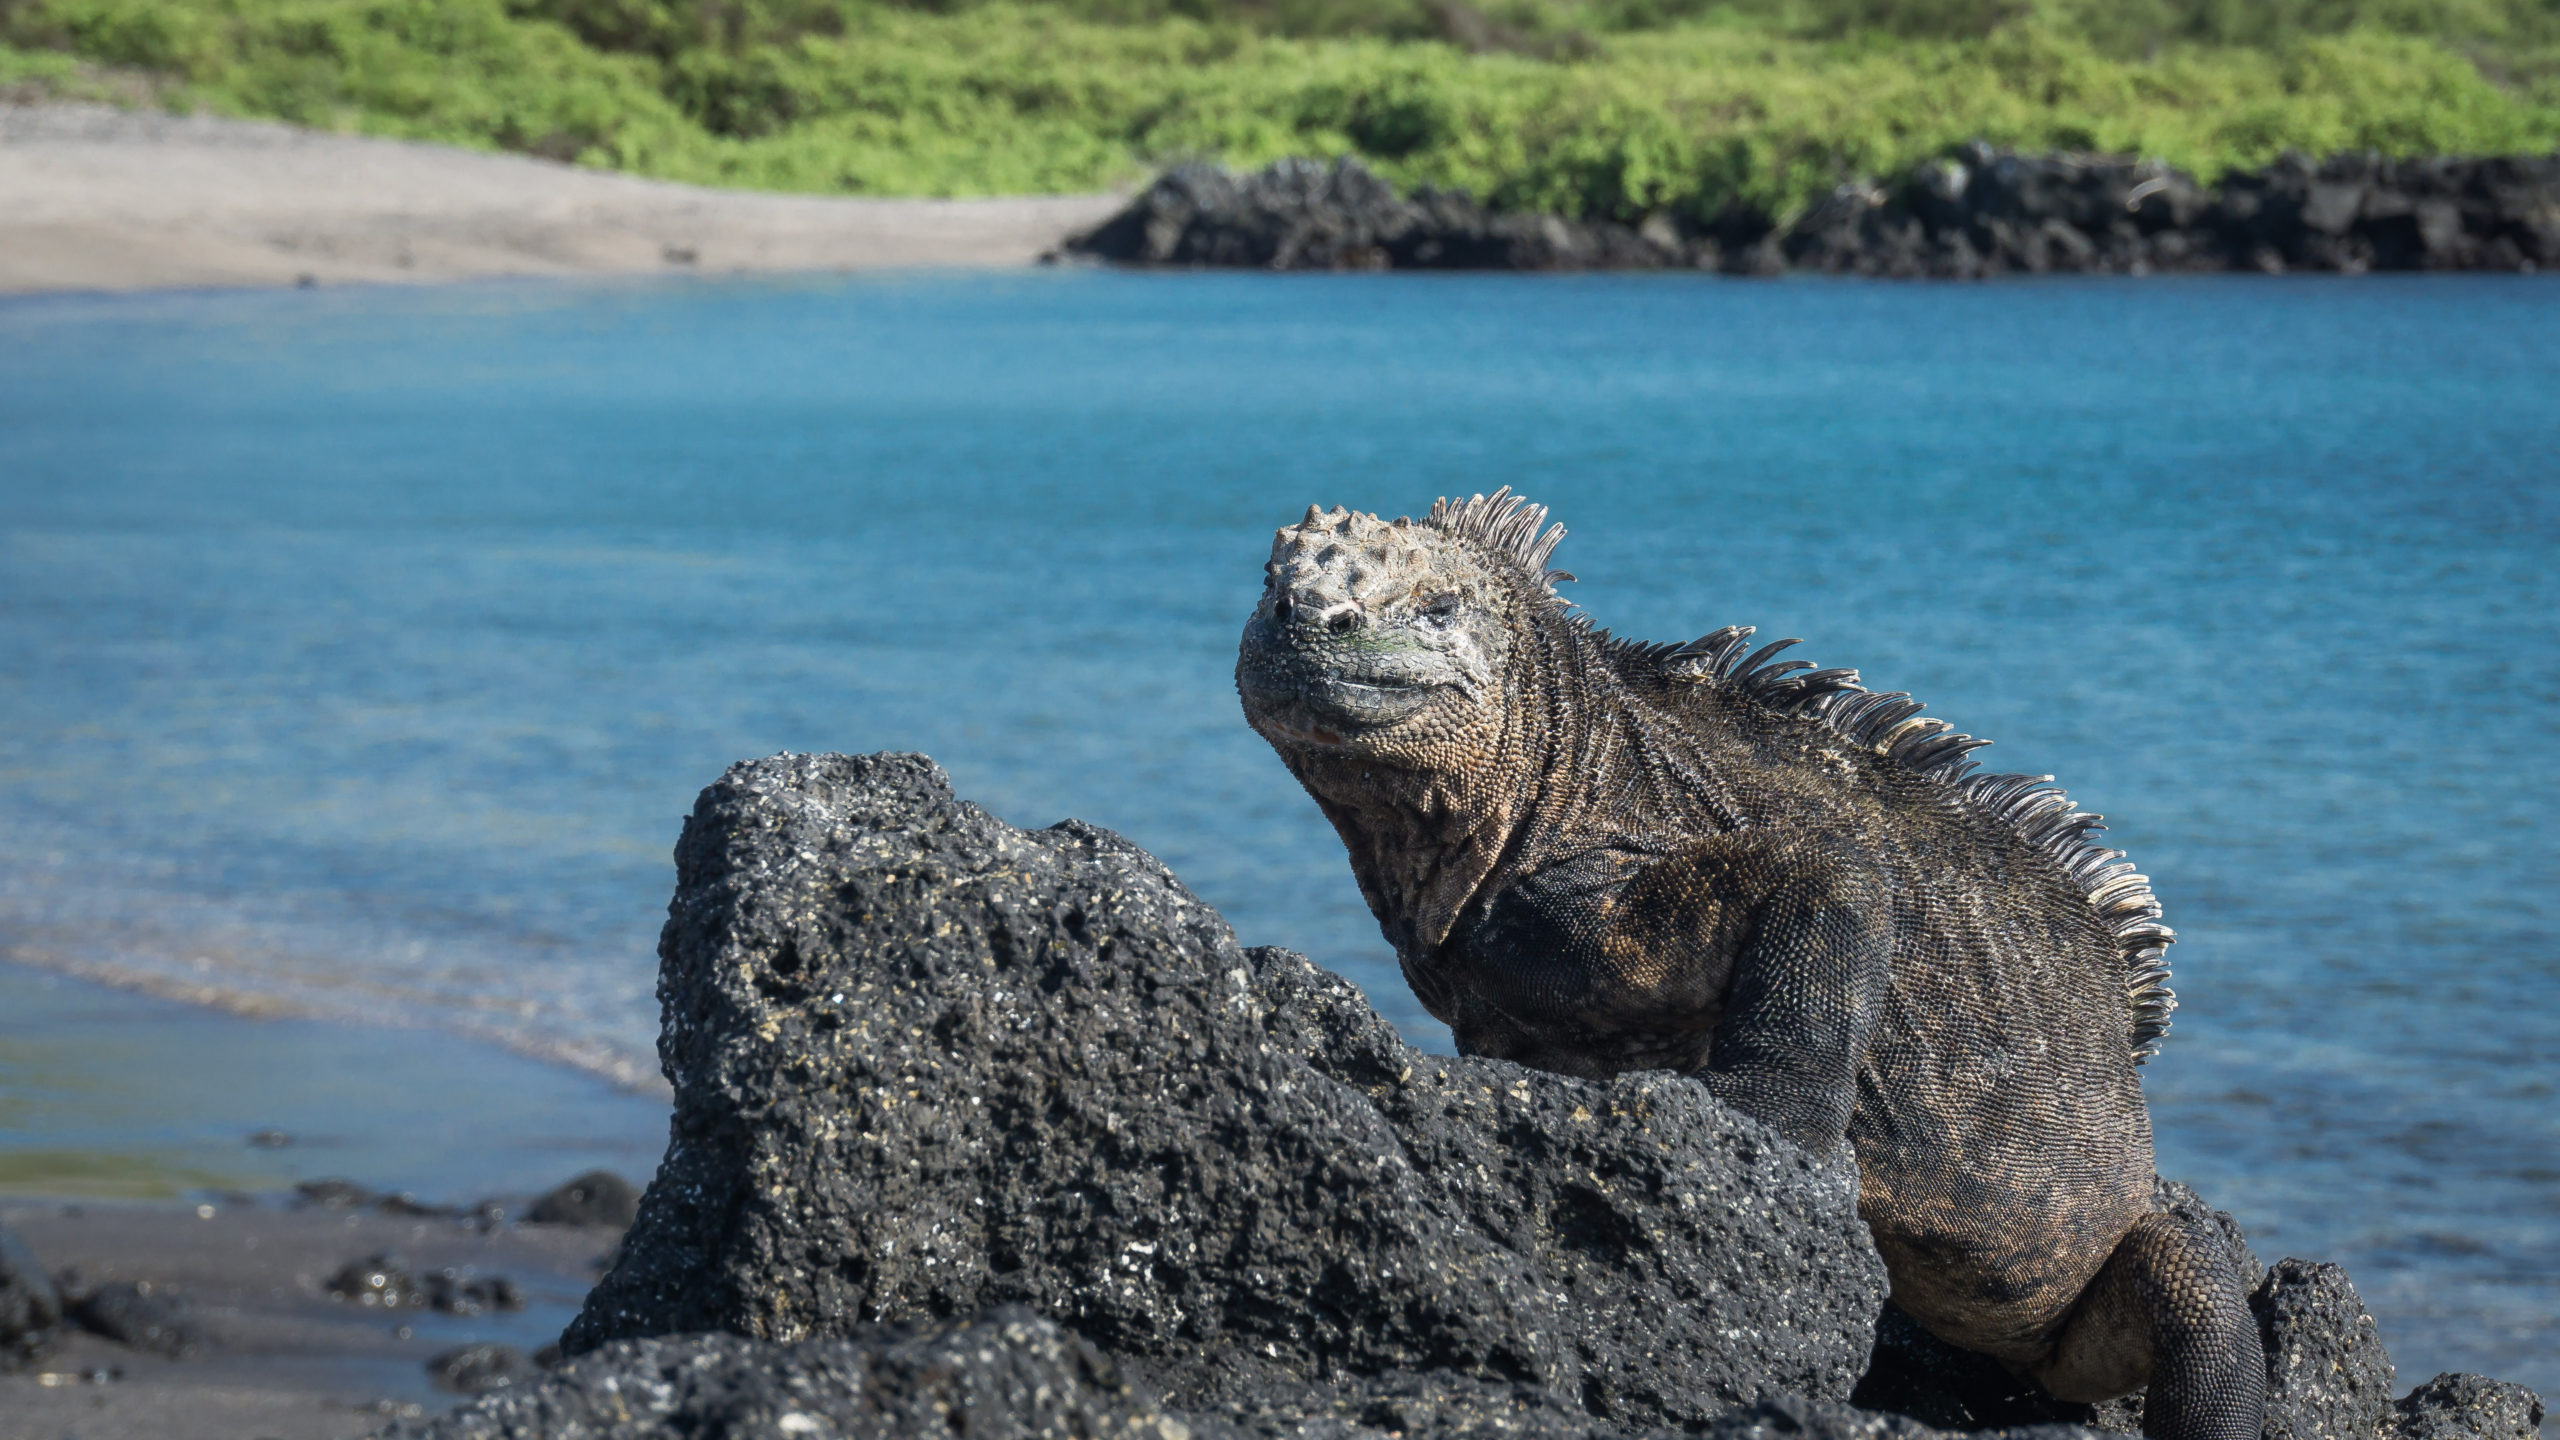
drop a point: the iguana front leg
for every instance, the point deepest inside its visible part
(1758, 961)
(1807, 986)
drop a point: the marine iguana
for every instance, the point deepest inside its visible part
(1594, 855)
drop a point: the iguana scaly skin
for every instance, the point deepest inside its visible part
(1593, 855)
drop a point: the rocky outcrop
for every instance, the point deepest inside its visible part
(1002, 1132)
(1979, 213)
(1305, 215)
(1995, 212)
(925, 1063)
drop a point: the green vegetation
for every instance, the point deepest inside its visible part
(1583, 106)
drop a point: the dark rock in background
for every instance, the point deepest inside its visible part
(1306, 215)
(384, 1279)
(597, 1198)
(140, 1315)
(925, 1063)
(1994, 212)
(30, 1307)
(1978, 213)
(381, 1279)
(335, 1194)
(455, 1292)
(481, 1369)
(2362, 212)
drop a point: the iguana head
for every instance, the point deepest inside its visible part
(1388, 640)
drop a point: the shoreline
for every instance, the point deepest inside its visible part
(97, 199)
(190, 1154)
(1984, 213)
(154, 1142)
(97, 1111)
(625, 1070)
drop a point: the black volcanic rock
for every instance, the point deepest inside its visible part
(30, 1307)
(925, 1064)
(1978, 212)
(598, 1198)
(141, 1315)
(2471, 1407)
(1010, 1376)
(2328, 1377)
(1305, 215)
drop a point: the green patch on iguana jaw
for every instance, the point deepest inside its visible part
(1365, 681)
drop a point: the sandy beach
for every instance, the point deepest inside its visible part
(262, 1345)
(95, 198)
(208, 1156)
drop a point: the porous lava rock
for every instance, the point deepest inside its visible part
(1014, 1375)
(925, 1064)
(2471, 1407)
(1009, 1376)
(2328, 1377)
(1980, 211)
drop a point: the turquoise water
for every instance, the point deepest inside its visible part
(360, 651)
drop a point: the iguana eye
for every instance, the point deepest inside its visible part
(1441, 611)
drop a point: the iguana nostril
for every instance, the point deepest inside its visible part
(1280, 606)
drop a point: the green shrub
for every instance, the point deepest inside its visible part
(1614, 107)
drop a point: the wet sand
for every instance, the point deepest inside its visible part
(144, 1139)
(94, 198)
(278, 1355)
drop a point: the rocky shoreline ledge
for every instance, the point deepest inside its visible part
(1983, 212)
(1002, 1133)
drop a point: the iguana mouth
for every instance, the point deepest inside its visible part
(1328, 709)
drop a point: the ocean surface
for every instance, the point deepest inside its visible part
(360, 652)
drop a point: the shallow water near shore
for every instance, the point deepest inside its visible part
(360, 652)
(115, 1095)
